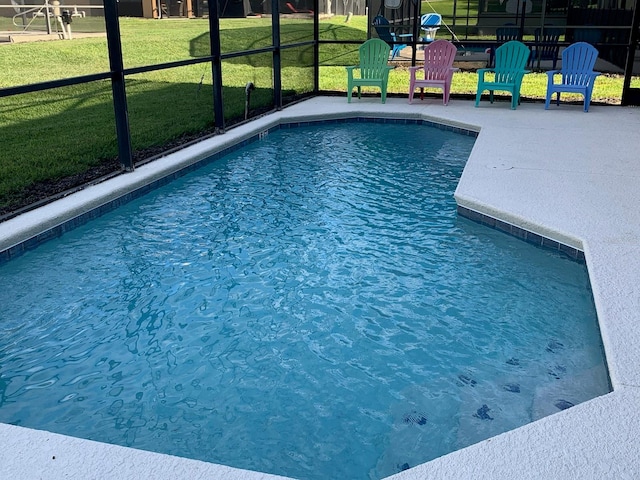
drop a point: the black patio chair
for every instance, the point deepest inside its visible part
(504, 34)
(546, 46)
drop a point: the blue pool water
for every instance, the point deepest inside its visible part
(309, 305)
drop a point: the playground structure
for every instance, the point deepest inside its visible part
(50, 18)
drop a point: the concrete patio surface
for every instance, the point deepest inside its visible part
(570, 176)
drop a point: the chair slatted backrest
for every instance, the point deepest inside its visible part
(578, 61)
(374, 54)
(383, 29)
(587, 35)
(546, 42)
(438, 59)
(503, 35)
(511, 61)
(507, 33)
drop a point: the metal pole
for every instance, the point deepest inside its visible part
(316, 44)
(627, 97)
(114, 47)
(542, 18)
(453, 22)
(524, 10)
(216, 64)
(466, 34)
(277, 59)
(47, 16)
(416, 29)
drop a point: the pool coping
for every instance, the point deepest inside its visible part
(542, 189)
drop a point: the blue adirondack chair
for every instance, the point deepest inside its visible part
(578, 60)
(383, 29)
(374, 71)
(511, 60)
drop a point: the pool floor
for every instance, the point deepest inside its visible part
(361, 230)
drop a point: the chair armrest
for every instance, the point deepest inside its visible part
(550, 76)
(451, 71)
(416, 68)
(593, 76)
(482, 71)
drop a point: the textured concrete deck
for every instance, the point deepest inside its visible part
(567, 175)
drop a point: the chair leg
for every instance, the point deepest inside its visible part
(445, 95)
(359, 93)
(478, 95)
(587, 98)
(515, 99)
(422, 94)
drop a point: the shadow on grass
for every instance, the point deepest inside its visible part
(61, 139)
(249, 38)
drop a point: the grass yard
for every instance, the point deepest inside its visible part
(67, 132)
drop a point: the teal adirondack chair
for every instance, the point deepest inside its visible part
(374, 71)
(511, 60)
(578, 60)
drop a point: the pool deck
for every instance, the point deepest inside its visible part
(569, 176)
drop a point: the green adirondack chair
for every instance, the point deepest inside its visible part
(511, 60)
(374, 71)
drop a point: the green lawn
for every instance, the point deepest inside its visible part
(57, 133)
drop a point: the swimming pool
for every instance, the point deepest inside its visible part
(315, 211)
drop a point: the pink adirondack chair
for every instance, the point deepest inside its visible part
(437, 69)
